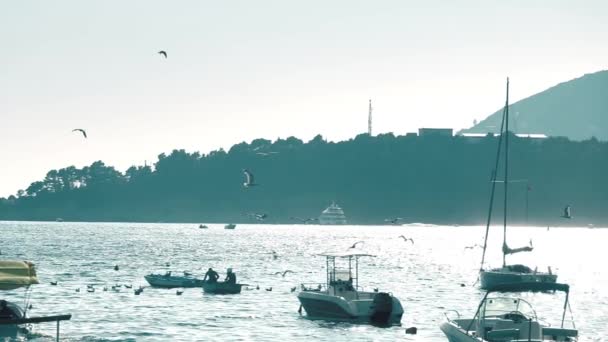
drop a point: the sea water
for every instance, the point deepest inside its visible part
(431, 276)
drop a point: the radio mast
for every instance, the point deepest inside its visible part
(369, 119)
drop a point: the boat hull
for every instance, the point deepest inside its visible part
(456, 334)
(320, 306)
(491, 278)
(169, 282)
(222, 288)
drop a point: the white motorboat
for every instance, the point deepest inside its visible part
(332, 215)
(507, 274)
(15, 324)
(341, 299)
(230, 226)
(170, 281)
(511, 318)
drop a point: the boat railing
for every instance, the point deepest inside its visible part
(33, 320)
(313, 287)
(445, 313)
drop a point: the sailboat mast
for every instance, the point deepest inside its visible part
(504, 241)
(494, 176)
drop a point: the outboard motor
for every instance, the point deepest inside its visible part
(382, 309)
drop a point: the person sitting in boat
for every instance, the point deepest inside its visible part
(212, 275)
(230, 277)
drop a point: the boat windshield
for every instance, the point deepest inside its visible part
(503, 305)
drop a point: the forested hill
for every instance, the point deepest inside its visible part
(577, 109)
(419, 178)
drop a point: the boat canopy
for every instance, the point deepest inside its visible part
(15, 274)
(530, 287)
(345, 255)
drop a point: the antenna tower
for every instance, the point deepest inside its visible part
(369, 119)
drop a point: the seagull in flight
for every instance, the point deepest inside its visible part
(567, 212)
(248, 179)
(393, 220)
(264, 154)
(474, 246)
(307, 220)
(163, 52)
(84, 133)
(355, 244)
(284, 273)
(406, 239)
(259, 217)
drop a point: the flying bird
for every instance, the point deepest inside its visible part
(284, 272)
(355, 244)
(393, 220)
(84, 133)
(307, 220)
(162, 52)
(248, 179)
(406, 239)
(259, 217)
(474, 246)
(264, 154)
(567, 212)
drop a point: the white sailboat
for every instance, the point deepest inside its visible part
(507, 274)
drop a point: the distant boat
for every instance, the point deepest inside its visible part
(202, 226)
(507, 274)
(332, 215)
(170, 281)
(230, 226)
(59, 219)
(222, 288)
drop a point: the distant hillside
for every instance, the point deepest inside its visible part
(577, 109)
(433, 179)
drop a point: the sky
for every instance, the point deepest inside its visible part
(238, 70)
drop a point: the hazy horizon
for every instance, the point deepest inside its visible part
(238, 71)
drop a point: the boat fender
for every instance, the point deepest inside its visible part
(382, 308)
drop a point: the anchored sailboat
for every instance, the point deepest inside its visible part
(507, 273)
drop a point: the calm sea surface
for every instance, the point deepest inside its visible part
(425, 276)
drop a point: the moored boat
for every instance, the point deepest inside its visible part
(511, 318)
(341, 298)
(230, 226)
(222, 288)
(170, 281)
(507, 274)
(15, 324)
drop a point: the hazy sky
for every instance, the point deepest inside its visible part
(240, 70)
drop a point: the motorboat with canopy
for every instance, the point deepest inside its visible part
(507, 274)
(341, 299)
(14, 321)
(501, 318)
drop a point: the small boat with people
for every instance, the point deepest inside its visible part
(222, 287)
(15, 324)
(341, 299)
(512, 318)
(170, 281)
(230, 226)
